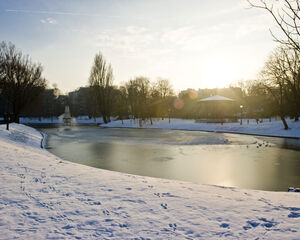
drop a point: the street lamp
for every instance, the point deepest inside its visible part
(241, 107)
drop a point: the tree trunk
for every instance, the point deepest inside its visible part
(104, 119)
(286, 127)
(14, 118)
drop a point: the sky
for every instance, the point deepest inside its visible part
(193, 43)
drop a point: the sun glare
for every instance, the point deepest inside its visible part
(218, 73)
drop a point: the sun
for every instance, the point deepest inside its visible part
(218, 73)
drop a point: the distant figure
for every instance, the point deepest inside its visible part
(257, 120)
(247, 121)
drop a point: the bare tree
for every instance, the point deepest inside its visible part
(121, 106)
(276, 78)
(289, 61)
(164, 87)
(20, 79)
(164, 90)
(100, 80)
(286, 14)
(138, 90)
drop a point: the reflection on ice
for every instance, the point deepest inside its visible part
(212, 158)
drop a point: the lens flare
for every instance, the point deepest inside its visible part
(193, 94)
(178, 103)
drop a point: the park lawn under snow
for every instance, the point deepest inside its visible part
(57, 120)
(44, 197)
(267, 128)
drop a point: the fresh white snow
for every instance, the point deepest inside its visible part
(267, 128)
(44, 197)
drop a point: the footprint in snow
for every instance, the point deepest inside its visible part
(294, 215)
(157, 194)
(173, 226)
(20, 175)
(164, 205)
(123, 225)
(134, 201)
(164, 195)
(106, 212)
(224, 225)
(89, 201)
(92, 222)
(67, 227)
(263, 222)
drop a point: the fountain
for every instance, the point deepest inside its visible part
(67, 116)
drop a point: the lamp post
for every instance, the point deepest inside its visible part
(241, 107)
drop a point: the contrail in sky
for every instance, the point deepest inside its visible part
(56, 13)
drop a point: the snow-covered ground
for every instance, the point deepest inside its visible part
(56, 120)
(44, 197)
(267, 128)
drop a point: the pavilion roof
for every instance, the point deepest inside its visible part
(216, 98)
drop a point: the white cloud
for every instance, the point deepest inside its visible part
(130, 39)
(135, 30)
(49, 21)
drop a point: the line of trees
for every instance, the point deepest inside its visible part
(276, 92)
(137, 98)
(140, 98)
(21, 80)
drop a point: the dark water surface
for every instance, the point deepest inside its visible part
(212, 158)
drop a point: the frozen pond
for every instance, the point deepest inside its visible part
(211, 158)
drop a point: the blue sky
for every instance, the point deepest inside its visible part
(193, 43)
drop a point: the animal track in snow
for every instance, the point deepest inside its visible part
(164, 205)
(224, 225)
(173, 226)
(164, 195)
(106, 212)
(262, 222)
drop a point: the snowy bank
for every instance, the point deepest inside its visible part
(58, 120)
(43, 197)
(266, 128)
